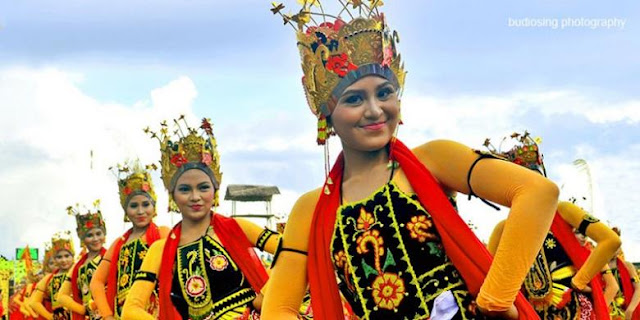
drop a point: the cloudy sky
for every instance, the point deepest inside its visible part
(78, 76)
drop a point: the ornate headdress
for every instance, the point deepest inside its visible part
(134, 179)
(87, 221)
(62, 241)
(526, 153)
(335, 53)
(181, 152)
(48, 255)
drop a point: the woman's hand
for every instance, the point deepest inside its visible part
(510, 314)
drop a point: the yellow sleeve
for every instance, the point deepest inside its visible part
(164, 231)
(17, 299)
(607, 240)
(253, 231)
(98, 285)
(141, 290)
(288, 280)
(27, 305)
(494, 240)
(532, 198)
(65, 296)
(37, 297)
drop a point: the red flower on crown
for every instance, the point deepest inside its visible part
(340, 64)
(145, 187)
(178, 160)
(89, 224)
(127, 190)
(207, 159)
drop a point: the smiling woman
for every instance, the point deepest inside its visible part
(74, 294)
(206, 268)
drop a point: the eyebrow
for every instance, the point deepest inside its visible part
(354, 91)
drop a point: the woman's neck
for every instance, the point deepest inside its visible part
(137, 232)
(92, 254)
(194, 229)
(358, 163)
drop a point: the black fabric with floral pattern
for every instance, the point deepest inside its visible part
(59, 313)
(390, 260)
(129, 262)
(207, 283)
(548, 285)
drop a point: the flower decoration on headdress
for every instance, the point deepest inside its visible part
(87, 221)
(48, 255)
(336, 53)
(62, 241)
(526, 152)
(187, 148)
(134, 179)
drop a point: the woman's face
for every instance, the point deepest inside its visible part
(194, 194)
(52, 264)
(140, 211)
(366, 114)
(94, 239)
(64, 259)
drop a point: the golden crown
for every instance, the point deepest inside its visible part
(134, 179)
(187, 149)
(335, 53)
(62, 241)
(525, 153)
(48, 254)
(87, 221)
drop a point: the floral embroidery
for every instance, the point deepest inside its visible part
(418, 227)
(550, 243)
(195, 285)
(124, 280)
(340, 64)
(142, 254)
(218, 262)
(341, 258)
(388, 291)
(365, 220)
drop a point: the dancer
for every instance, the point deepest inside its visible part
(113, 279)
(74, 294)
(383, 221)
(206, 268)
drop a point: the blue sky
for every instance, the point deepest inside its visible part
(235, 62)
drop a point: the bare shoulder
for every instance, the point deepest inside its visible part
(296, 234)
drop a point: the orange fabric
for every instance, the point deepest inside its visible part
(466, 252)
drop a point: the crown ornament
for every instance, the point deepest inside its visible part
(62, 241)
(134, 179)
(187, 148)
(48, 255)
(526, 152)
(336, 53)
(87, 221)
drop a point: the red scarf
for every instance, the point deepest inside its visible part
(627, 286)
(74, 284)
(578, 255)
(151, 235)
(232, 238)
(463, 248)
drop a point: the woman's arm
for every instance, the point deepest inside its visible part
(141, 290)
(532, 198)
(253, 233)
(98, 285)
(607, 240)
(611, 286)
(288, 282)
(64, 296)
(633, 304)
(494, 240)
(37, 297)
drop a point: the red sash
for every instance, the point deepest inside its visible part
(152, 235)
(232, 238)
(578, 255)
(463, 248)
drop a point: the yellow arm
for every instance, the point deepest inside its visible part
(65, 298)
(494, 240)
(140, 292)
(608, 242)
(611, 286)
(633, 304)
(98, 284)
(288, 280)
(253, 231)
(532, 198)
(37, 297)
